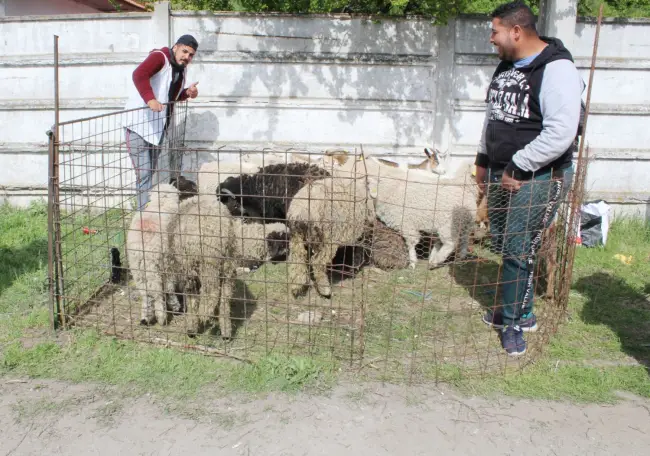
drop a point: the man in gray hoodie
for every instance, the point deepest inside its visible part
(524, 160)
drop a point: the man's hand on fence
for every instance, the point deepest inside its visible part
(510, 183)
(192, 91)
(481, 176)
(154, 105)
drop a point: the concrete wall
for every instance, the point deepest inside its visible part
(314, 82)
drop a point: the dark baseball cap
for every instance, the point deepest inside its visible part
(188, 40)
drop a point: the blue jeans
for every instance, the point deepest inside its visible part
(517, 222)
(145, 157)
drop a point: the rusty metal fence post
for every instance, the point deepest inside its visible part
(55, 278)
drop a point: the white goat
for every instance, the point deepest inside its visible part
(415, 201)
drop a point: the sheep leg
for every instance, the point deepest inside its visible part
(146, 311)
(172, 302)
(319, 266)
(157, 291)
(411, 242)
(192, 302)
(227, 287)
(447, 245)
(204, 305)
(298, 266)
(463, 240)
(153, 304)
(146, 308)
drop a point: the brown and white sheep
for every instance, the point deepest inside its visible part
(323, 216)
(206, 245)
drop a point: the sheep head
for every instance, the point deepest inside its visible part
(229, 199)
(186, 188)
(277, 242)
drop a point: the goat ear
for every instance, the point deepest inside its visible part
(427, 152)
(392, 164)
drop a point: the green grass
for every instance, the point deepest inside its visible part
(89, 357)
(594, 354)
(23, 274)
(23, 256)
(597, 351)
(86, 258)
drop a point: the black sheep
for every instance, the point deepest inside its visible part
(266, 195)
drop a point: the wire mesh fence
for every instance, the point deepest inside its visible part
(340, 255)
(101, 163)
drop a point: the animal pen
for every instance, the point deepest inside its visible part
(244, 253)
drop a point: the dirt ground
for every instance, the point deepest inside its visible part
(46, 417)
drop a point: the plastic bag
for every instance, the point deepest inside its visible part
(594, 223)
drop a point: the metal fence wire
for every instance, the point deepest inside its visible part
(335, 254)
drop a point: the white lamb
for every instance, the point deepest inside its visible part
(324, 215)
(417, 201)
(206, 245)
(146, 239)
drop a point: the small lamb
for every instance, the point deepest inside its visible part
(206, 245)
(416, 201)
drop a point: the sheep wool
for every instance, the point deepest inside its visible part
(416, 201)
(146, 239)
(265, 195)
(206, 245)
(323, 216)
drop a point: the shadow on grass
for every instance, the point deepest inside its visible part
(15, 262)
(612, 302)
(243, 304)
(480, 277)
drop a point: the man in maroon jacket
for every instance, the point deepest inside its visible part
(158, 82)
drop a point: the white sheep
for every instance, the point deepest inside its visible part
(324, 215)
(417, 201)
(206, 245)
(146, 239)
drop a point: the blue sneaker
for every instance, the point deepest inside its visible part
(527, 323)
(512, 340)
(493, 319)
